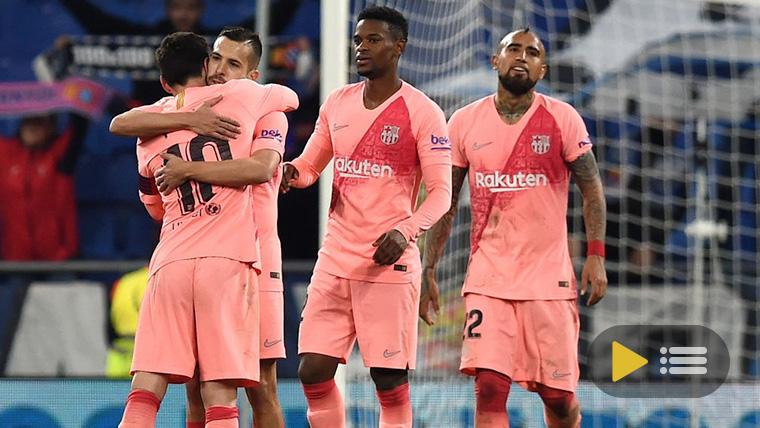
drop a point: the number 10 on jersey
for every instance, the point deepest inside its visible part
(192, 191)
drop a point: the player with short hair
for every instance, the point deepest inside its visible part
(520, 291)
(384, 136)
(201, 307)
(236, 55)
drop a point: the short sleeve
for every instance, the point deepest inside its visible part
(575, 138)
(433, 145)
(259, 100)
(458, 156)
(281, 98)
(270, 133)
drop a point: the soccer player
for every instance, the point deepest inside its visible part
(236, 55)
(519, 149)
(201, 305)
(384, 136)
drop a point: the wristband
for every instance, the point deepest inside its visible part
(595, 248)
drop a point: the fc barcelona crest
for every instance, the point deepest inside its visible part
(540, 144)
(389, 136)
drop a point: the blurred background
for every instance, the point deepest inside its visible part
(670, 92)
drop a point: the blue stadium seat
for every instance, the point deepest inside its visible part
(12, 294)
(108, 417)
(116, 232)
(137, 234)
(591, 124)
(97, 233)
(295, 418)
(669, 418)
(750, 419)
(112, 222)
(303, 22)
(602, 420)
(27, 417)
(121, 178)
(693, 66)
(747, 217)
(107, 178)
(748, 220)
(89, 178)
(549, 17)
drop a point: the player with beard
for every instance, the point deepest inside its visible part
(520, 291)
(385, 136)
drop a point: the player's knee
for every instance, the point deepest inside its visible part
(194, 402)
(491, 391)
(314, 368)
(561, 403)
(268, 370)
(386, 379)
(308, 374)
(195, 408)
(266, 390)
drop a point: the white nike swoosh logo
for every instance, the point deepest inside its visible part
(337, 127)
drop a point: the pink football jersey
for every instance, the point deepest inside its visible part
(519, 182)
(270, 134)
(201, 220)
(379, 156)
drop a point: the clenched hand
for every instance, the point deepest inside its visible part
(289, 175)
(390, 246)
(172, 174)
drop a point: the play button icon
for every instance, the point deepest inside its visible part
(625, 361)
(657, 361)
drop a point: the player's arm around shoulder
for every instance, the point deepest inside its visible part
(286, 98)
(262, 99)
(149, 121)
(268, 149)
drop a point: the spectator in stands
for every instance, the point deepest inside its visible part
(126, 296)
(38, 215)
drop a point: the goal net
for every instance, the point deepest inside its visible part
(669, 92)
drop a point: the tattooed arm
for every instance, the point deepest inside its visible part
(586, 175)
(435, 244)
